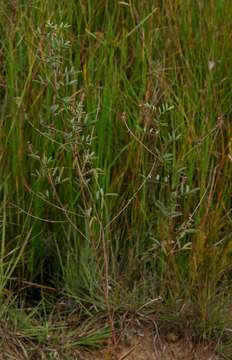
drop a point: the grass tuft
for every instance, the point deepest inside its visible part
(115, 176)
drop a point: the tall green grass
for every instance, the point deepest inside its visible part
(115, 151)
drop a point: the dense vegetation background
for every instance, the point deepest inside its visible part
(115, 154)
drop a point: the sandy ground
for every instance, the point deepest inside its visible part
(146, 347)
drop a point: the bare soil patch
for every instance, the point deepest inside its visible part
(146, 347)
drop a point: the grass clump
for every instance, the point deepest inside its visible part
(115, 151)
